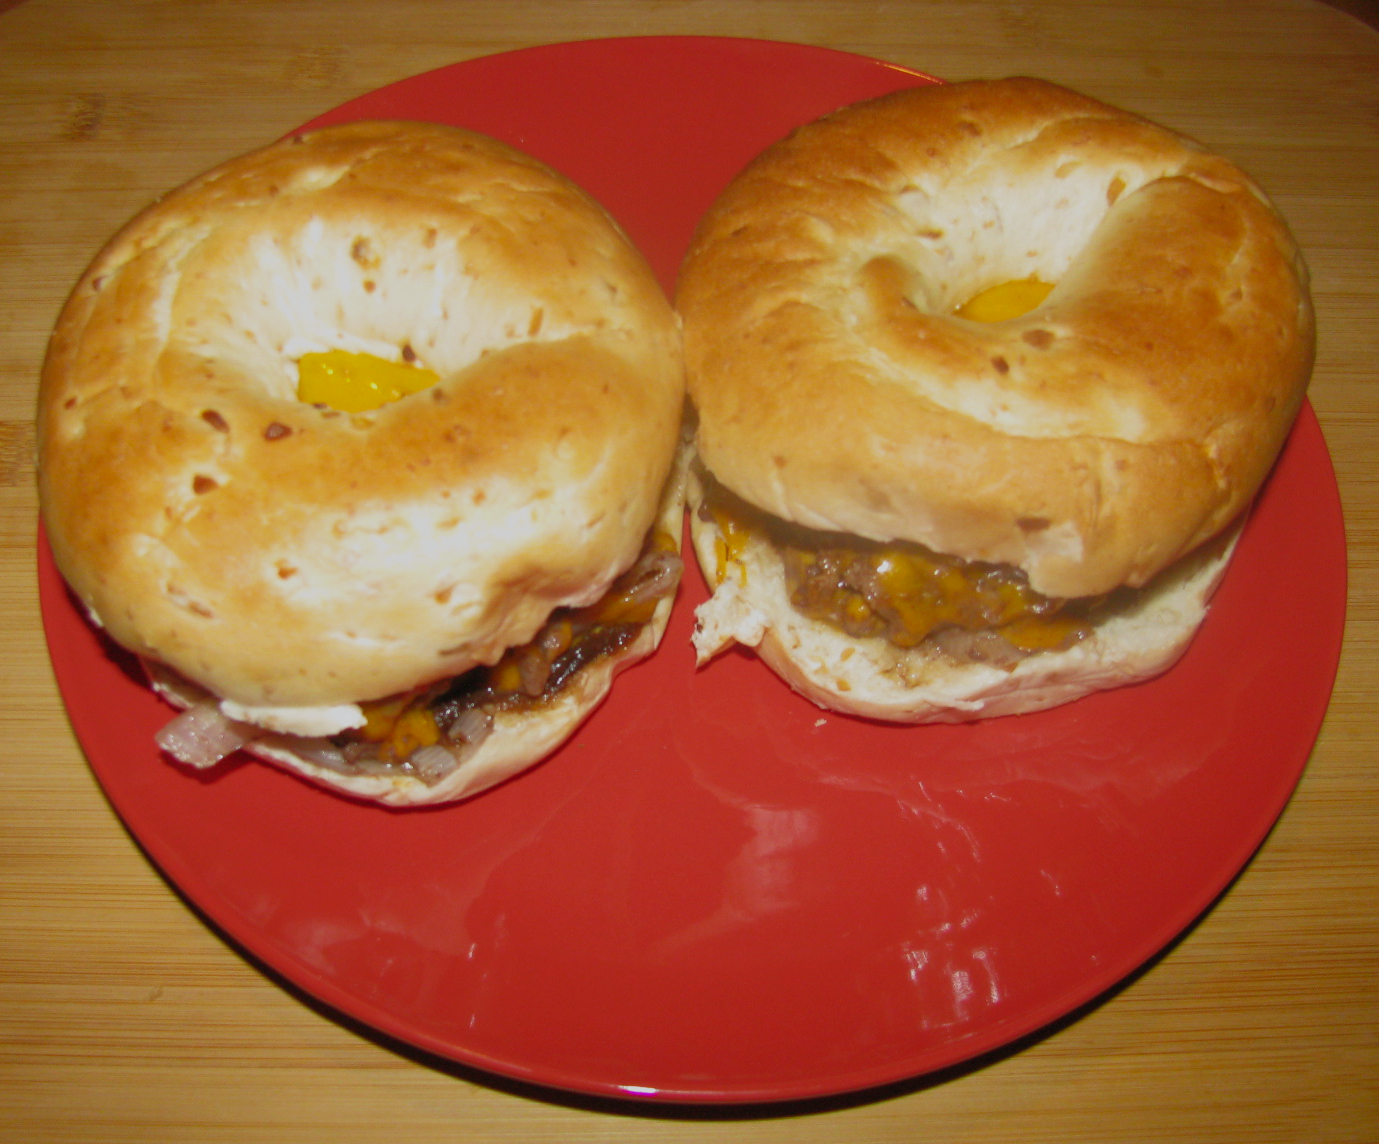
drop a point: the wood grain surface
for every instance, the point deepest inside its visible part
(124, 1017)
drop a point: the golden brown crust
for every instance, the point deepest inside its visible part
(283, 555)
(1092, 442)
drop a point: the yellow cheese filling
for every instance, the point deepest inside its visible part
(899, 592)
(357, 382)
(1004, 301)
(404, 723)
(914, 593)
(566, 627)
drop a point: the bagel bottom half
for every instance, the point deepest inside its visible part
(1132, 636)
(515, 736)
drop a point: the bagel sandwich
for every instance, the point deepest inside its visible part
(368, 444)
(985, 377)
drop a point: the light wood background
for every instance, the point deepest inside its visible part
(124, 1018)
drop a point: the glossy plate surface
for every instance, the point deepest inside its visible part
(717, 892)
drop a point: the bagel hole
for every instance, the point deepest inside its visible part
(965, 231)
(279, 288)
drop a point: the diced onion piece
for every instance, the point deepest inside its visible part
(201, 736)
(635, 596)
(432, 763)
(472, 726)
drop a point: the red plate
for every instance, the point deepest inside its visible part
(716, 892)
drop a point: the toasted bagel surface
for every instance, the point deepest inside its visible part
(1091, 442)
(289, 556)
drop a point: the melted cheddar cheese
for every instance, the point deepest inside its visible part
(1004, 301)
(900, 592)
(729, 545)
(904, 593)
(357, 382)
(403, 723)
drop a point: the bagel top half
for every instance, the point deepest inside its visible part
(295, 559)
(1092, 441)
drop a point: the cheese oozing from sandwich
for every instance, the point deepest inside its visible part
(900, 592)
(526, 675)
